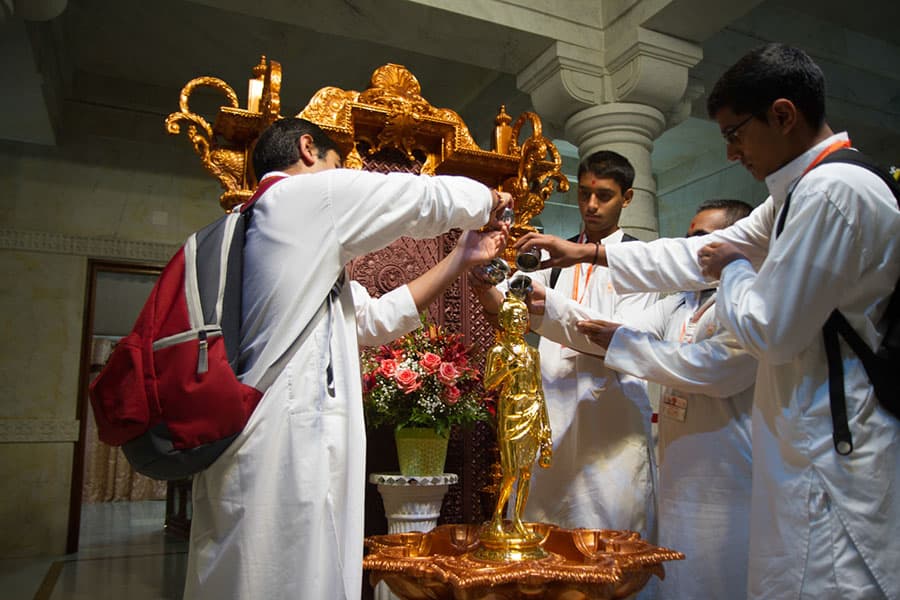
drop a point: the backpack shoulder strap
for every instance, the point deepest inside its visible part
(837, 324)
(324, 310)
(853, 157)
(554, 276)
(264, 185)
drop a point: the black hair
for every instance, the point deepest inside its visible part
(735, 210)
(766, 74)
(277, 148)
(606, 164)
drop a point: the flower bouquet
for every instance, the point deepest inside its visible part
(421, 385)
(423, 379)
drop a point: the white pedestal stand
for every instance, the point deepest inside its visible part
(410, 504)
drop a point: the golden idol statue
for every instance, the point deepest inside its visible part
(523, 430)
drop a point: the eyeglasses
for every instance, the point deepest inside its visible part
(731, 133)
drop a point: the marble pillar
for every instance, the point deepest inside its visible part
(619, 95)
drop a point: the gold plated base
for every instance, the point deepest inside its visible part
(596, 564)
(510, 545)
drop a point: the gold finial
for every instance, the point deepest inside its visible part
(502, 131)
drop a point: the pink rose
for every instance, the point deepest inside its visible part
(408, 380)
(388, 367)
(430, 362)
(448, 373)
(451, 395)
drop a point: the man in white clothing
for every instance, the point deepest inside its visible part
(280, 513)
(704, 421)
(823, 524)
(602, 474)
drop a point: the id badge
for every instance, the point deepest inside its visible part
(674, 407)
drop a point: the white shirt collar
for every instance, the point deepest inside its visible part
(614, 238)
(784, 179)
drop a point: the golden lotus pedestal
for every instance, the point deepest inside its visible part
(581, 564)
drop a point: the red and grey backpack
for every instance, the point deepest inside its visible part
(169, 394)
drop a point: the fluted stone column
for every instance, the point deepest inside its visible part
(619, 97)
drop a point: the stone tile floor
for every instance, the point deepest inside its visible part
(123, 553)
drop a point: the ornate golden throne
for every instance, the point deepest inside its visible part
(391, 127)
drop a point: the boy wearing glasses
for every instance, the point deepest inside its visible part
(823, 523)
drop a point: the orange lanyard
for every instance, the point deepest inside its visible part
(782, 216)
(834, 146)
(587, 278)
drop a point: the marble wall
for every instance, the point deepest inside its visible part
(684, 186)
(118, 189)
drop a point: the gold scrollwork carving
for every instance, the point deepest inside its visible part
(270, 102)
(225, 164)
(539, 167)
(330, 108)
(228, 161)
(396, 94)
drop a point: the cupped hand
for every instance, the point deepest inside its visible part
(479, 247)
(502, 201)
(536, 298)
(598, 331)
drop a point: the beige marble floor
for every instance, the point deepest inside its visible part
(123, 554)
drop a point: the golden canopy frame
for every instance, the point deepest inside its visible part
(390, 114)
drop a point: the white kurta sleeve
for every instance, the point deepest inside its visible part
(630, 308)
(670, 264)
(381, 320)
(558, 323)
(781, 310)
(371, 210)
(716, 366)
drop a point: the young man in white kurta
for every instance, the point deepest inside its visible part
(704, 421)
(280, 514)
(823, 525)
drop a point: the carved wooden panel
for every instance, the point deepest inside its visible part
(470, 453)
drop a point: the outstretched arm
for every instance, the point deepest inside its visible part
(716, 366)
(380, 320)
(666, 264)
(473, 248)
(563, 253)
